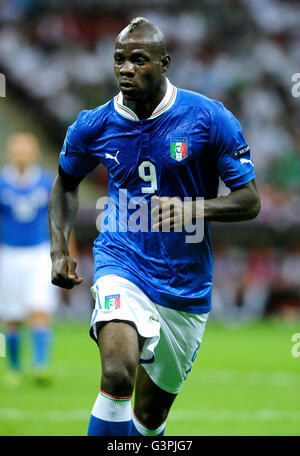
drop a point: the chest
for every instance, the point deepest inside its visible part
(23, 205)
(148, 156)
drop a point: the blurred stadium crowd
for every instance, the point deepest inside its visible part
(58, 55)
(249, 286)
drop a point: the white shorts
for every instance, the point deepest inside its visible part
(25, 282)
(172, 337)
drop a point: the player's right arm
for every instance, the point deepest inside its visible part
(63, 207)
(74, 164)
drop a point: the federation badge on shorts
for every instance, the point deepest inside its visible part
(112, 302)
(179, 148)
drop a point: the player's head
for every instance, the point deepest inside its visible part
(22, 149)
(140, 58)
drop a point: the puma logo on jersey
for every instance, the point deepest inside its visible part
(113, 157)
(245, 160)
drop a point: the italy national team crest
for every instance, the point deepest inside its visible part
(179, 148)
(112, 302)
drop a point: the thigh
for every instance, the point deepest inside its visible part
(180, 339)
(117, 299)
(118, 340)
(120, 348)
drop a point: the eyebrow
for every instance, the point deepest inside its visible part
(135, 52)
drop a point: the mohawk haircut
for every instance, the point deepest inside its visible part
(143, 23)
(138, 21)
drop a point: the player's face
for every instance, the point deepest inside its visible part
(138, 66)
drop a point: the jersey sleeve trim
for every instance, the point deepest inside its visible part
(70, 182)
(235, 182)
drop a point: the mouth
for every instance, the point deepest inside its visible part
(126, 85)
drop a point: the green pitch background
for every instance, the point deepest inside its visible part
(245, 381)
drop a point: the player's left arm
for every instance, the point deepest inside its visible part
(235, 167)
(242, 203)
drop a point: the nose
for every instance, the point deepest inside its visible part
(127, 69)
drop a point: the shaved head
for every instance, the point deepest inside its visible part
(143, 30)
(140, 63)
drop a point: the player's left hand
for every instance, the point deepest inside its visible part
(170, 213)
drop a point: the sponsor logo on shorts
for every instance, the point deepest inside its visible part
(112, 302)
(154, 317)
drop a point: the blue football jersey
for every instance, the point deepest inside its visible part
(181, 150)
(24, 206)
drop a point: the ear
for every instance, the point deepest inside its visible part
(165, 63)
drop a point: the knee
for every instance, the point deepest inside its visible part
(151, 419)
(118, 378)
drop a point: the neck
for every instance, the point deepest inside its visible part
(145, 106)
(21, 168)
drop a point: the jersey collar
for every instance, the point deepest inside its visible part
(30, 176)
(163, 106)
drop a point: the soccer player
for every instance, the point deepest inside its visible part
(152, 287)
(25, 266)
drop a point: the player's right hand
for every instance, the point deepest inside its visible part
(63, 271)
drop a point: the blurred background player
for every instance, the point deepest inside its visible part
(25, 293)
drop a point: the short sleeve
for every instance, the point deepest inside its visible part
(232, 153)
(74, 158)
